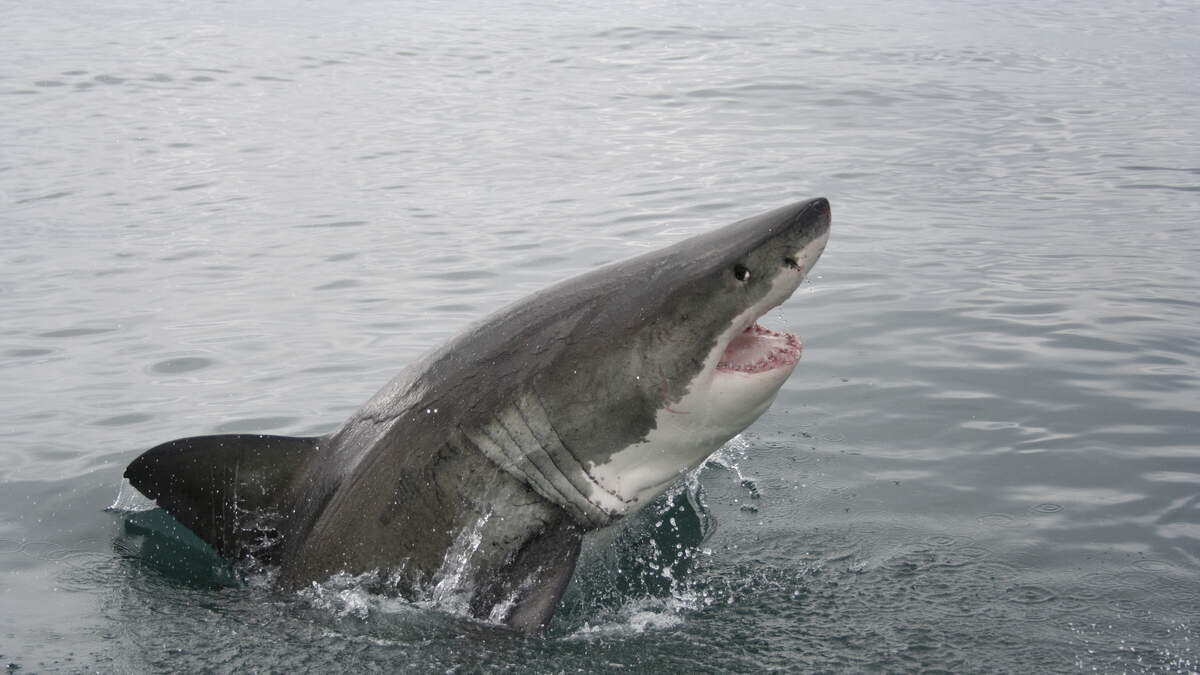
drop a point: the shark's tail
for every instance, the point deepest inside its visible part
(231, 490)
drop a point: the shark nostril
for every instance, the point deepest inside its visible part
(791, 262)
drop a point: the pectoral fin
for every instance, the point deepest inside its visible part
(539, 574)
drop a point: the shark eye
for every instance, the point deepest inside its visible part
(741, 273)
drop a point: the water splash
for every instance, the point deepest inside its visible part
(356, 595)
(129, 500)
(639, 616)
(450, 594)
(342, 595)
(730, 457)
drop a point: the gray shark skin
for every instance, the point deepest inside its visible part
(470, 479)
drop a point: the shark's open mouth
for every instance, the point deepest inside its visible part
(758, 349)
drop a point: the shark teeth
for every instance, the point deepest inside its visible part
(758, 349)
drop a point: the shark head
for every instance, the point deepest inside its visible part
(600, 391)
(709, 368)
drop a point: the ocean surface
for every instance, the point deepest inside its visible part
(247, 217)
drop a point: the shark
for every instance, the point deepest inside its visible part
(473, 476)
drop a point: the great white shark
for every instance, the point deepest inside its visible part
(471, 478)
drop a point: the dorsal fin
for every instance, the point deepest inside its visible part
(227, 489)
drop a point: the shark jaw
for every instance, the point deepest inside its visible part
(758, 350)
(741, 377)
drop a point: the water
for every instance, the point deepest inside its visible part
(249, 216)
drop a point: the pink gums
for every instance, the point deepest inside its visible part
(757, 350)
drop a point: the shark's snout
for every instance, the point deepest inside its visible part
(820, 206)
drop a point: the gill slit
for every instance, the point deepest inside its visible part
(582, 467)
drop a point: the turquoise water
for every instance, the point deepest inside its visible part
(247, 217)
